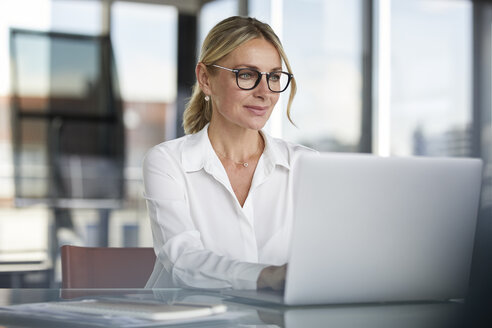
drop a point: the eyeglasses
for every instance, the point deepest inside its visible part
(249, 78)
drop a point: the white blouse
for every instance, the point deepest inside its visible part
(202, 236)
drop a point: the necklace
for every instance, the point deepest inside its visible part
(244, 164)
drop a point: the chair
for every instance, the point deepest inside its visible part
(101, 267)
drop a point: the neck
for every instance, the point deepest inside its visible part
(238, 145)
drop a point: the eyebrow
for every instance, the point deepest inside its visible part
(256, 67)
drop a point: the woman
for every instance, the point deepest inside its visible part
(220, 198)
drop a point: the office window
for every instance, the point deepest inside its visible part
(144, 40)
(76, 16)
(430, 98)
(212, 13)
(323, 40)
(56, 74)
(261, 10)
(14, 14)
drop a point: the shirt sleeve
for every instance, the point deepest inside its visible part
(177, 242)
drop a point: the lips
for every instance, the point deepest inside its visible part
(257, 110)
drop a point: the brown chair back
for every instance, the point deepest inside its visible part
(103, 267)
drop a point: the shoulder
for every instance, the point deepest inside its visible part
(286, 147)
(169, 148)
(165, 156)
(286, 152)
(291, 147)
(186, 154)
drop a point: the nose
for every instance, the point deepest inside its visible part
(263, 85)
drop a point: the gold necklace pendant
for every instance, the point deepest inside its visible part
(244, 164)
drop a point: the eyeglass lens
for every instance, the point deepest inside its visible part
(248, 79)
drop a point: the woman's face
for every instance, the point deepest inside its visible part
(248, 109)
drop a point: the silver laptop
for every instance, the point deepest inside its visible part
(373, 229)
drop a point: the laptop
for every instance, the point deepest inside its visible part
(379, 229)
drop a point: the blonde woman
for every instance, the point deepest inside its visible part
(220, 198)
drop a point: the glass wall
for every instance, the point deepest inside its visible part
(13, 14)
(429, 90)
(144, 46)
(431, 67)
(77, 16)
(213, 12)
(144, 38)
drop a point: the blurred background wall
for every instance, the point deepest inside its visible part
(389, 77)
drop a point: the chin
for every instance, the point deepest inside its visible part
(257, 125)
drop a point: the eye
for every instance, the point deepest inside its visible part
(247, 74)
(275, 76)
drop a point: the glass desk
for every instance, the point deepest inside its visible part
(247, 314)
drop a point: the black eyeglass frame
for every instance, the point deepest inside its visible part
(258, 80)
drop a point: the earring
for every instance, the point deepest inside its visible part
(207, 98)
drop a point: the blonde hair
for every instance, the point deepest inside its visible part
(222, 39)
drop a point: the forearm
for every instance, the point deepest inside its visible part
(205, 269)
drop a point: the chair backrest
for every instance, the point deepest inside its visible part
(103, 267)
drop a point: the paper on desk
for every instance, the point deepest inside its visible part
(42, 311)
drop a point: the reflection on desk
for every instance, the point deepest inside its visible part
(401, 315)
(241, 314)
(150, 308)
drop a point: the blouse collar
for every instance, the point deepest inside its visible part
(198, 152)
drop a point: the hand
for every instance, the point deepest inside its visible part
(272, 277)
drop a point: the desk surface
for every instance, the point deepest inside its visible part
(415, 315)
